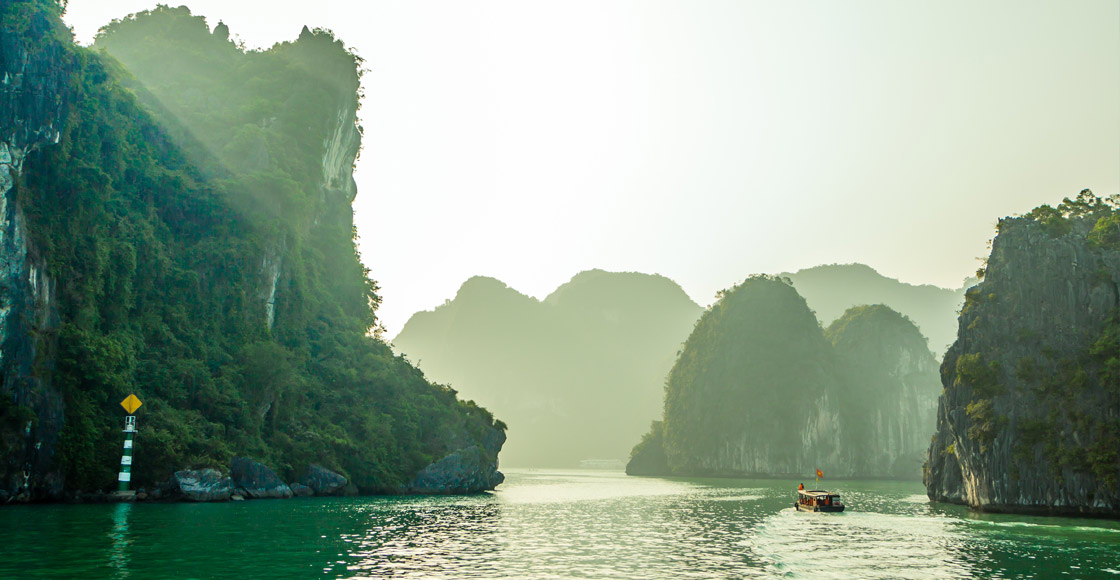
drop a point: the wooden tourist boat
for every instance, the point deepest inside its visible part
(815, 500)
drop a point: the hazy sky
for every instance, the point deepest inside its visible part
(702, 140)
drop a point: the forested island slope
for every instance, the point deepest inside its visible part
(177, 224)
(577, 375)
(1030, 417)
(761, 390)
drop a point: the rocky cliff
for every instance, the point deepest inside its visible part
(34, 93)
(889, 398)
(1030, 417)
(177, 224)
(760, 390)
(754, 389)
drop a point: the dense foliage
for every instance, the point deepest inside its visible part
(753, 366)
(890, 384)
(188, 181)
(648, 456)
(761, 389)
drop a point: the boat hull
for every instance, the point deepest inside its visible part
(818, 508)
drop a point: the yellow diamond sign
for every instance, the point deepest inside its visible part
(131, 403)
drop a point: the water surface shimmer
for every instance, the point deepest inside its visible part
(559, 524)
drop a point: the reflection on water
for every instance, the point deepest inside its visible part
(560, 524)
(410, 540)
(118, 553)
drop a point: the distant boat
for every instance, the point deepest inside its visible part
(815, 500)
(601, 464)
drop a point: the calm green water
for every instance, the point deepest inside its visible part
(558, 524)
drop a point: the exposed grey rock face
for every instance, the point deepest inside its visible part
(464, 471)
(300, 490)
(1030, 416)
(323, 481)
(469, 469)
(258, 481)
(201, 485)
(34, 92)
(889, 398)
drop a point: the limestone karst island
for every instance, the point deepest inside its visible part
(536, 290)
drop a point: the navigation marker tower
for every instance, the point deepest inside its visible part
(130, 404)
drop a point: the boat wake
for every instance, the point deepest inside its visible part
(858, 545)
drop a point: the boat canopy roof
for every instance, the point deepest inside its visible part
(817, 493)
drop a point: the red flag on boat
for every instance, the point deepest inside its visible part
(820, 473)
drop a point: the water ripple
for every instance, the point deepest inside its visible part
(547, 525)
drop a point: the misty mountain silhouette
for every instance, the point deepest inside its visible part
(577, 375)
(831, 289)
(581, 373)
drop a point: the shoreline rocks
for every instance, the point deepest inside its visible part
(201, 485)
(257, 480)
(467, 470)
(323, 481)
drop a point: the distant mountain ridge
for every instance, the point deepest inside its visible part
(833, 288)
(578, 374)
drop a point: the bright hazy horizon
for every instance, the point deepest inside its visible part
(704, 141)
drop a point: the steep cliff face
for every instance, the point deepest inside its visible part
(1030, 417)
(184, 232)
(760, 389)
(34, 92)
(889, 399)
(754, 389)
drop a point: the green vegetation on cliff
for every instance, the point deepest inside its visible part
(648, 456)
(195, 216)
(749, 375)
(891, 384)
(1034, 369)
(760, 389)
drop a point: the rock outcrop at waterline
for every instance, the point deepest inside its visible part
(257, 480)
(202, 485)
(761, 390)
(1030, 417)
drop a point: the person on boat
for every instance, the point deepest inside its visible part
(800, 486)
